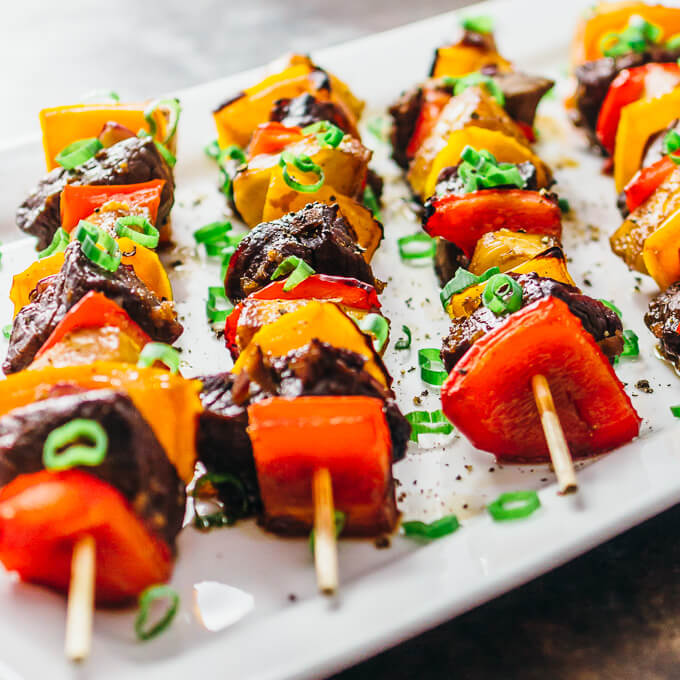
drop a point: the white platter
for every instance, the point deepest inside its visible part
(386, 595)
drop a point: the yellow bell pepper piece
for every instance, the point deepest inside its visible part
(506, 150)
(459, 60)
(168, 402)
(638, 122)
(661, 252)
(63, 125)
(323, 321)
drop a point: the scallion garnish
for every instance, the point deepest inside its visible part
(564, 206)
(636, 37)
(477, 78)
(297, 269)
(54, 458)
(213, 232)
(339, 520)
(218, 519)
(431, 530)
(371, 202)
(481, 170)
(58, 245)
(7, 330)
(379, 128)
(91, 236)
(404, 343)
(631, 347)
(222, 156)
(377, 326)
(163, 150)
(138, 229)
(502, 294)
(304, 164)
(146, 600)
(432, 369)
(675, 410)
(77, 153)
(416, 247)
(671, 144)
(330, 135)
(171, 105)
(478, 24)
(217, 307)
(159, 351)
(428, 422)
(212, 150)
(613, 307)
(463, 280)
(514, 505)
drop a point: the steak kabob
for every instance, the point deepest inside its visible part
(522, 334)
(306, 420)
(627, 98)
(97, 427)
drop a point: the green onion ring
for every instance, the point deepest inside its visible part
(404, 343)
(675, 410)
(91, 236)
(432, 369)
(304, 164)
(477, 78)
(215, 314)
(428, 422)
(631, 346)
(159, 351)
(372, 203)
(212, 150)
(297, 269)
(463, 280)
(146, 235)
(417, 246)
(671, 142)
(330, 135)
(431, 530)
(612, 306)
(173, 106)
(58, 245)
(502, 294)
(146, 599)
(7, 330)
(212, 232)
(377, 326)
(204, 522)
(76, 454)
(500, 512)
(478, 24)
(77, 153)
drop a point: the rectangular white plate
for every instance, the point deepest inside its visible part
(386, 595)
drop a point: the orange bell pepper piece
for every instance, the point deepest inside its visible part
(347, 435)
(44, 514)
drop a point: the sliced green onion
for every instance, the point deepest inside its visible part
(463, 280)
(671, 142)
(91, 236)
(77, 153)
(218, 307)
(175, 109)
(502, 294)
(159, 351)
(675, 410)
(431, 530)
(212, 150)
(163, 150)
(143, 233)
(478, 24)
(296, 267)
(418, 246)
(304, 164)
(371, 202)
(379, 128)
(631, 346)
(339, 520)
(478, 78)
(404, 343)
(613, 307)
(514, 505)
(58, 245)
(432, 369)
(220, 518)
(234, 153)
(636, 37)
(563, 203)
(481, 170)
(212, 232)
(377, 326)
(75, 454)
(100, 96)
(428, 422)
(330, 135)
(673, 43)
(7, 330)
(146, 599)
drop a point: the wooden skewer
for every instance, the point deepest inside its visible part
(554, 435)
(80, 600)
(325, 544)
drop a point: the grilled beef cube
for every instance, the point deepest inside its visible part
(316, 234)
(55, 295)
(315, 370)
(135, 462)
(597, 319)
(307, 109)
(448, 258)
(404, 112)
(130, 161)
(522, 93)
(663, 319)
(485, 41)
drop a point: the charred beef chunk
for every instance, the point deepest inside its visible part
(522, 93)
(56, 294)
(663, 319)
(307, 109)
(135, 464)
(448, 258)
(315, 370)
(597, 319)
(485, 41)
(404, 112)
(128, 162)
(316, 234)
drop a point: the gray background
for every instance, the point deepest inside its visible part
(613, 614)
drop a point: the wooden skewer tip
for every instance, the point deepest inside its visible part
(325, 543)
(80, 608)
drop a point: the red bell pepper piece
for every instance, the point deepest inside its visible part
(95, 310)
(527, 130)
(79, 202)
(488, 393)
(464, 219)
(42, 516)
(434, 101)
(347, 435)
(647, 181)
(272, 137)
(649, 80)
(341, 289)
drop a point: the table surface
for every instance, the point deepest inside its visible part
(611, 614)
